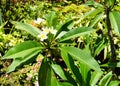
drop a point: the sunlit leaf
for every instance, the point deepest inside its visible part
(23, 50)
(114, 83)
(115, 21)
(28, 28)
(76, 32)
(19, 61)
(85, 73)
(95, 76)
(95, 20)
(83, 56)
(51, 19)
(64, 27)
(106, 79)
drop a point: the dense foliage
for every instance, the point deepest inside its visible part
(60, 44)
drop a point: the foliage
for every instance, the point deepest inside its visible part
(82, 51)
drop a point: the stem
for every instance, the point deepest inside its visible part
(110, 34)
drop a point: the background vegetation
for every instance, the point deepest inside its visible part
(60, 43)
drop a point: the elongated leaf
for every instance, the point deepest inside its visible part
(46, 75)
(63, 74)
(23, 50)
(100, 45)
(28, 28)
(76, 32)
(106, 79)
(0, 17)
(85, 72)
(70, 64)
(19, 61)
(63, 27)
(95, 76)
(95, 20)
(110, 3)
(93, 12)
(83, 56)
(114, 64)
(115, 21)
(65, 84)
(114, 83)
(51, 19)
(59, 71)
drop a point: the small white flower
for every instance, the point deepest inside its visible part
(46, 30)
(39, 20)
(53, 31)
(42, 36)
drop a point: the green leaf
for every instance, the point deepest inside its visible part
(71, 65)
(65, 84)
(28, 28)
(95, 76)
(59, 71)
(114, 83)
(65, 76)
(93, 12)
(76, 32)
(106, 79)
(83, 56)
(115, 21)
(95, 20)
(19, 61)
(110, 3)
(0, 17)
(85, 73)
(64, 27)
(51, 19)
(2, 27)
(23, 50)
(113, 64)
(46, 75)
(100, 45)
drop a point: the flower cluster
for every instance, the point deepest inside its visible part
(45, 31)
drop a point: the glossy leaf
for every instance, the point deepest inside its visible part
(71, 65)
(28, 28)
(46, 75)
(83, 56)
(76, 32)
(23, 50)
(115, 21)
(95, 76)
(95, 20)
(106, 79)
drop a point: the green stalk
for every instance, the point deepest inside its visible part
(110, 34)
